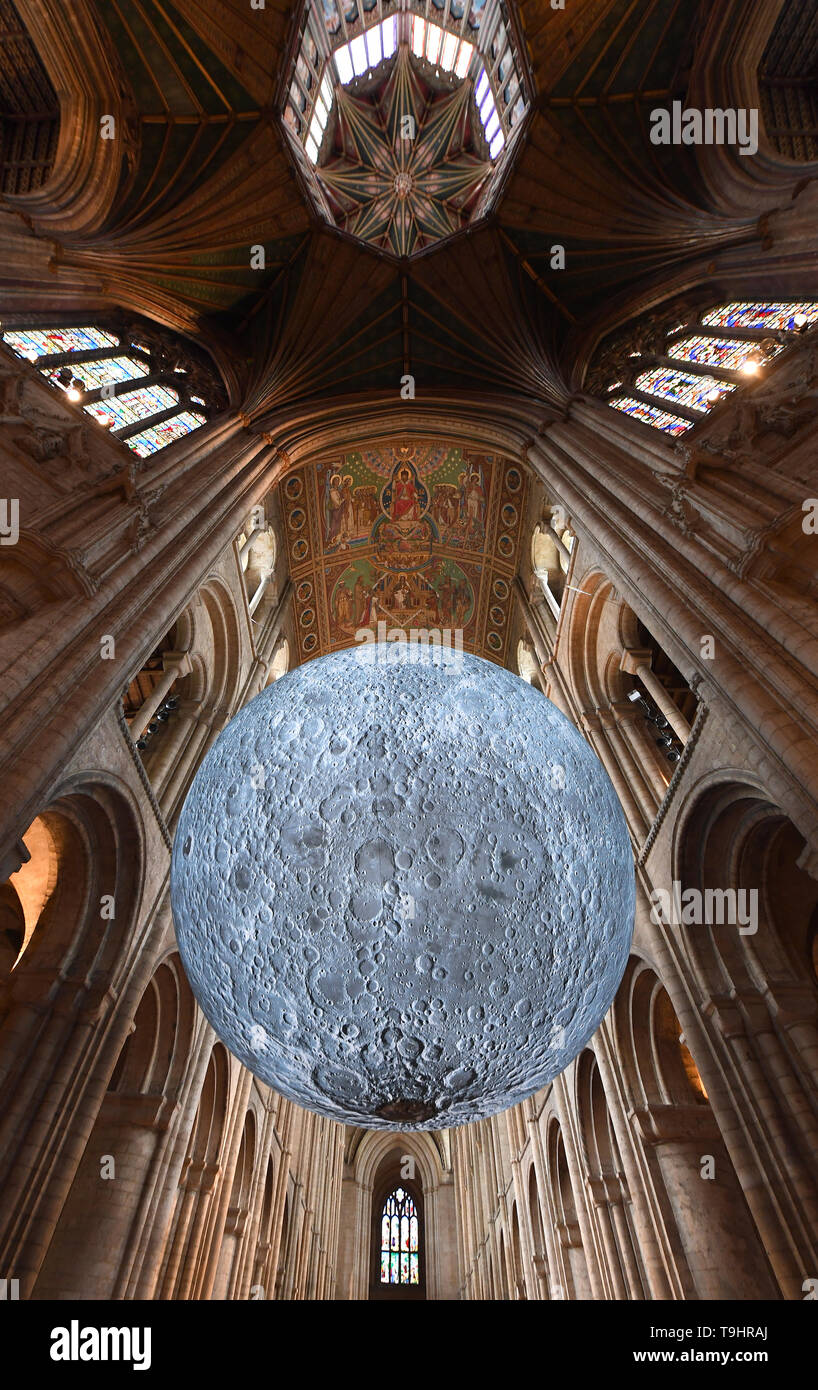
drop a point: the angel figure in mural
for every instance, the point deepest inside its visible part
(476, 504)
(405, 500)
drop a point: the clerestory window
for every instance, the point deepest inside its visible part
(141, 387)
(674, 384)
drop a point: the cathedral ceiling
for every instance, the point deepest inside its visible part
(205, 176)
(420, 535)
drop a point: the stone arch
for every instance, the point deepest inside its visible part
(705, 1224)
(380, 1156)
(82, 861)
(283, 1249)
(228, 1273)
(575, 1283)
(188, 1248)
(607, 1184)
(731, 837)
(535, 1217)
(388, 1177)
(98, 1232)
(517, 1286)
(225, 660)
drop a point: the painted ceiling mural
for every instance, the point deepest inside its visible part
(421, 535)
(398, 193)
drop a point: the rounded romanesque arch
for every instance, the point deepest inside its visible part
(678, 1140)
(101, 1228)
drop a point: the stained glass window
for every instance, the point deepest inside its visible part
(42, 342)
(400, 1248)
(133, 406)
(651, 415)
(742, 350)
(122, 411)
(762, 316)
(157, 436)
(96, 374)
(695, 392)
(730, 353)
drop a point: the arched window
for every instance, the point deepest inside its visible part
(671, 377)
(400, 1239)
(135, 381)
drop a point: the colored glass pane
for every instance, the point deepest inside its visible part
(399, 1239)
(687, 390)
(761, 315)
(133, 406)
(651, 415)
(94, 374)
(717, 352)
(158, 436)
(42, 342)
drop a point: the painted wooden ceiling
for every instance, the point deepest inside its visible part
(421, 538)
(205, 176)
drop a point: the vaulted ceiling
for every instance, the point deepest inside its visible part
(204, 176)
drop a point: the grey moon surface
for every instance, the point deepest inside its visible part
(403, 890)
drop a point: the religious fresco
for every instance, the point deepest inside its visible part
(421, 535)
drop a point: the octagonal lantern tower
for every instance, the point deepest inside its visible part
(403, 118)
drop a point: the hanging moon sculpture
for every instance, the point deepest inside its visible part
(403, 889)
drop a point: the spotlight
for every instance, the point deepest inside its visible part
(714, 395)
(673, 755)
(751, 367)
(141, 744)
(800, 320)
(75, 390)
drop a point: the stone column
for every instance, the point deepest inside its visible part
(175, 664)
(722, 1249)
(637, 663)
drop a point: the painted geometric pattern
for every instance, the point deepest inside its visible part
(719, 352)
(651, 415)
(399, 1240)
(407, 173)
(690, 391)
(420, 536)
(761, 315)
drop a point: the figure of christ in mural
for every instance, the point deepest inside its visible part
(405, 500)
